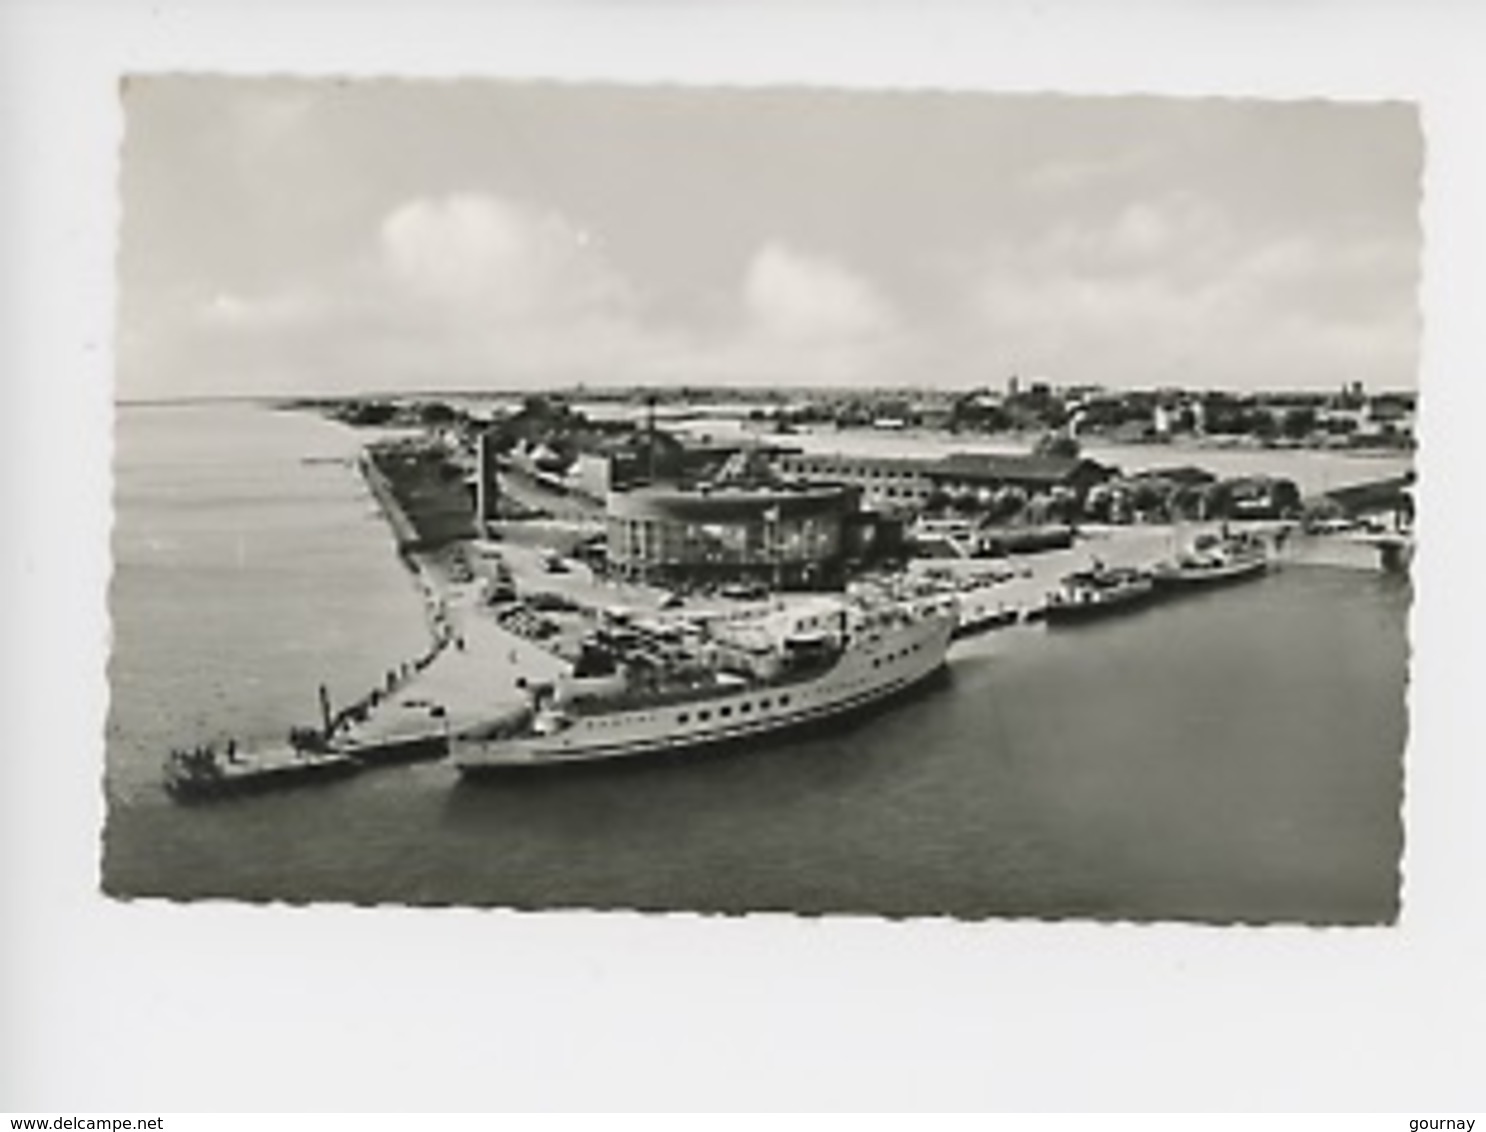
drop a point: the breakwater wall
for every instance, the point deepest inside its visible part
(424, 497)
(402, 526)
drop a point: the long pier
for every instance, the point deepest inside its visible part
(392, 722)
(402, 719)
(206, 774)
(210, 773)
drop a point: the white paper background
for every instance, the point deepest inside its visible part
(108, 1006)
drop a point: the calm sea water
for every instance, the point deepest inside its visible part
(1230, 756)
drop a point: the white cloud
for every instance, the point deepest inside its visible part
(799, 318)
(232, 312)
(1143, 232)
(1174, 233)
(263, 117)
(316, 230)
(471, 289)
(1172, 289)
(487, 257)
(451, 291)
(474, 290)
(792, 296)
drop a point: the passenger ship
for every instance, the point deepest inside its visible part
(1214, 560)
(724, 681)
(1097, 591)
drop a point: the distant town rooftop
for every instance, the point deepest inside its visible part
(997, 467)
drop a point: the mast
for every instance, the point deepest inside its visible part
(771, 531)
(650, 400)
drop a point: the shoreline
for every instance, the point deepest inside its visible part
(475, 668)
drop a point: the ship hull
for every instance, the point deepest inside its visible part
(1180, 580)
(1072, 612)
(402, 749)
(973, 626)
(753, 716)
(757, 742)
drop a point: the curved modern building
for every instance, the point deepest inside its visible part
(785, 537)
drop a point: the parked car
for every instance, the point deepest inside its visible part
(500, 590)
(744, 591)
(551, 602)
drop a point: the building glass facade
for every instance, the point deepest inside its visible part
(672, 536)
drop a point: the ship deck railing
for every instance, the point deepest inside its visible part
(701, 691)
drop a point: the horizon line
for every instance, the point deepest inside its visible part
(607, 391)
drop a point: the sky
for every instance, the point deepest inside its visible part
(327, 237)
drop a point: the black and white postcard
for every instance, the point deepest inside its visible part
(909, 504)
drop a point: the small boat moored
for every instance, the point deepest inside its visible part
(1214, 560)
(1098, 591)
